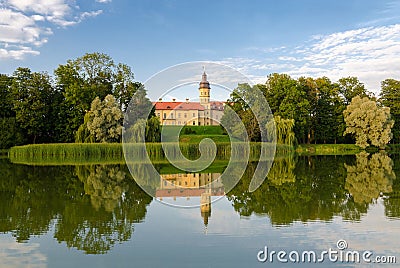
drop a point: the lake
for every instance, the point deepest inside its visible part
(97, 216)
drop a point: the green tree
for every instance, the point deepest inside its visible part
(245, 102)
(370, 123)
(283, 130)
(6, 97)
(329, 108)
(288, 99)
(153, 130)
(124, 86)
(140, 107)
(33, 96)
(309, 87)
(390, 97)
(81, 80)
(104, 120)
(349, 87)
(10, 134)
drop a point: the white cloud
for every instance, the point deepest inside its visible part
(14, 254)
(103, 1)
(25, 25)
(371, 53)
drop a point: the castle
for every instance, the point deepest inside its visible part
(201, 113)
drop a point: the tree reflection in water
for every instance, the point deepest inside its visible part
(315, 188)
(85, 217)
(93, 207)
(371, 176)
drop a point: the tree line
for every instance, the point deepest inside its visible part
(85, 99)
(37, 107)
(315, 109)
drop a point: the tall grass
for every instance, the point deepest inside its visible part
(81, 153)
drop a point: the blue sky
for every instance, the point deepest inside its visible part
(311, 38)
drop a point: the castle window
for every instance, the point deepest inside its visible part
(194, 115)
(185, 115)
(158, 114)
(194, 123)
(179, 115)
(165, 115)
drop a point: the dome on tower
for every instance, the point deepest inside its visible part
(204, 83)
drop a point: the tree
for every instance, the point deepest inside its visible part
(328, 111)
(153, 130)
(10, 134)
(144, 131)
(124, 86)
(140, 107)
(349, 87)
(246, 102)
(6, 97)
(369, 123)
(33, 96)
(104, 120)
(283, 130)
(390, 97)
(81, 80)
(288, 99)
(309, 87)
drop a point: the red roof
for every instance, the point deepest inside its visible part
(172, 105)
(217, 105)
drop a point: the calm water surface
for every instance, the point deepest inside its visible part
(97, 216)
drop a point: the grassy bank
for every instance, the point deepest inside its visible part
(76, 153)
(112, 153)
(327, 149)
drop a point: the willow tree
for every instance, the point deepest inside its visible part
(369, 123)
(283, 130)
(102, 123)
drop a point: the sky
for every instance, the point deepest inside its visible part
(299, 37)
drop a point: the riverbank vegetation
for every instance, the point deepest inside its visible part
(86, 97)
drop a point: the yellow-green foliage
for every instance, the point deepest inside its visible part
(370, 176)
(282, 170)
(370, 124)
(101, 123)
(283, 130)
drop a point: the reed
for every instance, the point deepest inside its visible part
(76, 153)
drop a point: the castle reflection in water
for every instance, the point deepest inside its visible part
(203, 185)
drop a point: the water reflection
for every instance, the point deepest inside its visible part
(316, 188)
(187, 185)
(93, 207)
(370, 176)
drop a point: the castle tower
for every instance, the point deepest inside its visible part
(204, 89)
(205, 207)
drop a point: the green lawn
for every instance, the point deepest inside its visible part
(327, 149)
(198, 138)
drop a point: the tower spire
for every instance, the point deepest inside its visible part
(204, 83)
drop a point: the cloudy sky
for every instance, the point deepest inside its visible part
(302, 38)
